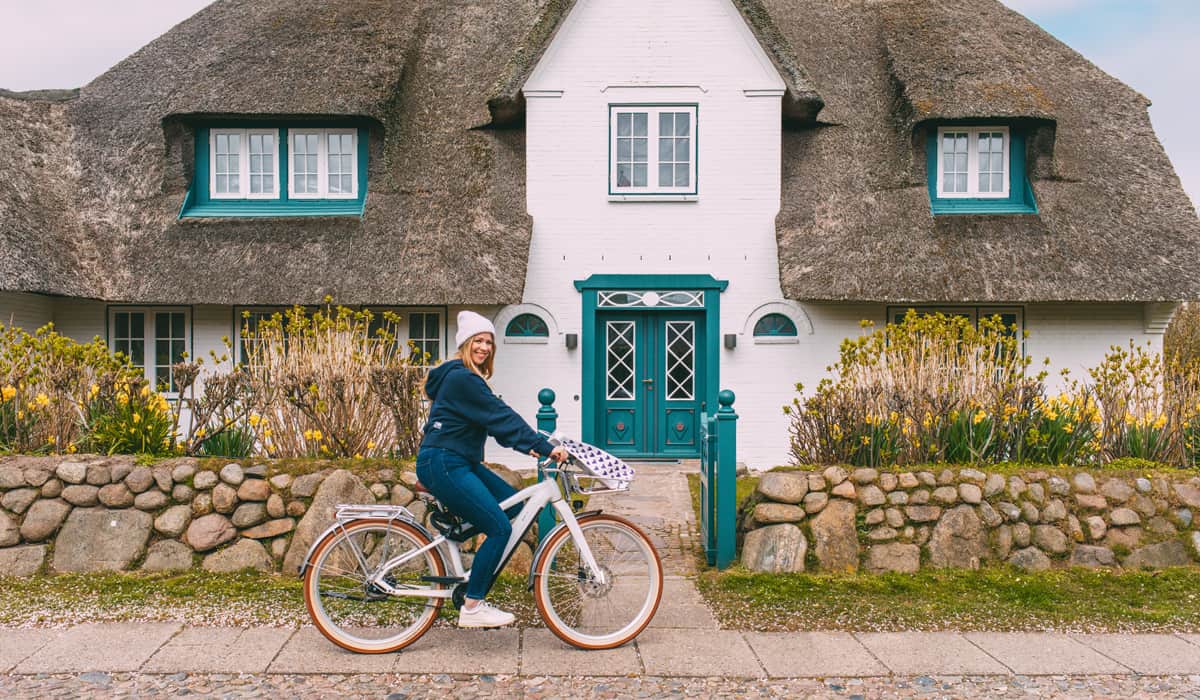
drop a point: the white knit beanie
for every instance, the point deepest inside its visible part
(471, 324)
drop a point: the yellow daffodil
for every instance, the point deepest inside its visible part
(979, 417)
(93, 391)
(136, 417)
(146, 390)
(358, 455)
(254, 420)
(866, 440)
(52, 440)
(200, 432)
(370, 444)
(8, 392)
(71, 449)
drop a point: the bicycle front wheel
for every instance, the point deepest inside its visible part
(585, 612)
(357, 615)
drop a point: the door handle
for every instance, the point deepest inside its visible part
(648, 382)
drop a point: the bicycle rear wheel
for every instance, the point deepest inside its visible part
(588, 614)
(353, 613)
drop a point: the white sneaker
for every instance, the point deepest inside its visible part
(484, 615)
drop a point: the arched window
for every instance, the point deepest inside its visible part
(527, 326)
(774, 326)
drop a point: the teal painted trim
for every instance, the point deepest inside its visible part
(712, 334)
(695, 139)
(198, 205)
(1020, 198)
(596, 282)
(547, 421)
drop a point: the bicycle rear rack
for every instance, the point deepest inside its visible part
(346, 512)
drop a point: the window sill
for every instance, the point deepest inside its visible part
(653, 198)
(247, 209)
(526, 340)
(780, 340)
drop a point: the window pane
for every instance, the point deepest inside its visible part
(137, 352)
(624, 149)
(162, 352)
(666, 175)
(122, 323)
(177, 325)
(997, 183)
(640, 123)
(268, 183)
(162, 325)
(311, 183)
(682, 123)
(682, 148)
(682, 175)
(960, 183)
(137, 325)
(639, 150)
(624, 127)
(623, 175)
(639, 175)
(666, 123)
(664, 149)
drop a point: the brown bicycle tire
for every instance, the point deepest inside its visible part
(543, 561)
(333, 536)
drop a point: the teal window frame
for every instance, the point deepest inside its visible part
(527, 325)
(200, 204)
(1020, 198)
(786, 329)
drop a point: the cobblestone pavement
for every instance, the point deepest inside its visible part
(406, 687)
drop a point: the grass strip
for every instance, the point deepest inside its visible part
(994, 599)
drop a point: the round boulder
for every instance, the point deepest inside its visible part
(775, 548)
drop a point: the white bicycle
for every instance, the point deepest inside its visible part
(376, 579)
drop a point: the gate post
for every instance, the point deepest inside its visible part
(725, 502)
(547, 420)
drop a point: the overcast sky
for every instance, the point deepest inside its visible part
(1152, 45)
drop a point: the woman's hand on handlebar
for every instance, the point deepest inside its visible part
(560, 454)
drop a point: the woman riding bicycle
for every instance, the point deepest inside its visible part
(450, 463)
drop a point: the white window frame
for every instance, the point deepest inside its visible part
(323, 164)
(973, 162)
(243, 163)
(402, 328)
(652, 118)
(149, 338)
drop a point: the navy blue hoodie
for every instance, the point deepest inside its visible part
(465, 412)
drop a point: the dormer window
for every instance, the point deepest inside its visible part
(652, 150)
(973, 162)
(278, 170)
(978, 169)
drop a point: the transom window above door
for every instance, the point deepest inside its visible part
(652, 150)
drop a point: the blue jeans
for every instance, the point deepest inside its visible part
(473, 492)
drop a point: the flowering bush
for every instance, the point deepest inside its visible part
(49, 385)
(936, 388)
(132, 419)
(326, 383)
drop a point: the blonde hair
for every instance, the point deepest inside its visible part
(487, 368)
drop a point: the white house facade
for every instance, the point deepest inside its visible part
(654, 200)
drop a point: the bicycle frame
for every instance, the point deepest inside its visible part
(534, 497)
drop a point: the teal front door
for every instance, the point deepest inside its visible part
(650, 382)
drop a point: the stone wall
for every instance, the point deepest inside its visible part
(839, 520)
(90, 513)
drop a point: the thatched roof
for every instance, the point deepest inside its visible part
(1114, 224)
(89, 198)
(445, 216)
